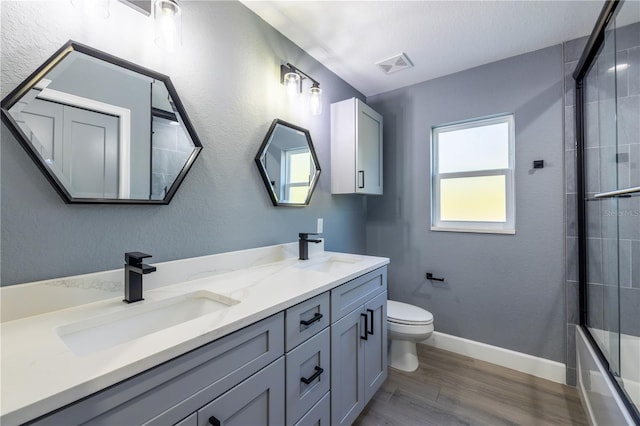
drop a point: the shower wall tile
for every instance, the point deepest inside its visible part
(595, 306)
(571, 372)
(570, 171)
(569, 83)
(624, 253)
(572, 259)
(629, 218)
(594, 261)
(628, 36)
(573, 303)
(592, 131)
(594, 218)
(635, 264)
(630, 311)
(634, 164)
(573, 49)
(571, 345)
(572, 216)
(569, 128)
(592, 162)
(634, 71)
(628, 120)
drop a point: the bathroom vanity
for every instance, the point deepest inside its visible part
(249, 337)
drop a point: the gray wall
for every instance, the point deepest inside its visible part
(227, 75)
(503, 290)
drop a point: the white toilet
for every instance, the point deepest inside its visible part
(407, 325)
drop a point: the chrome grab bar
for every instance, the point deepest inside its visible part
(626, 191)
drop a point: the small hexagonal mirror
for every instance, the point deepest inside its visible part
(288, 164)
(101, 129)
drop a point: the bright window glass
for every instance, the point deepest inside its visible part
(472, 179)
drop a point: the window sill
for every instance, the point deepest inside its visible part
(474, 231)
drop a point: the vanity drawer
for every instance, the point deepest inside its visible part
(306, 319)
(309, 362)
(257, 401)
(319, 415)
(192, 420)
(166, 394)
(355, 293)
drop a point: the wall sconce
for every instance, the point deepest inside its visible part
(292, 78)
(168, 24)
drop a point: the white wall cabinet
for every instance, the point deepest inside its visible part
(356, 148)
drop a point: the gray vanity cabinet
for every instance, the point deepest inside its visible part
(358, 344)
(257, 401)
(308, 359)
(168, 393)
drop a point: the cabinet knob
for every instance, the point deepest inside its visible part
(213, 421)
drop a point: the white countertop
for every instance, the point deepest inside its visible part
(40, 373)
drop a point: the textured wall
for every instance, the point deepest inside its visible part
(504, 290)
(227, 75)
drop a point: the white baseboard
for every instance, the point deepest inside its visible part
(525, 363)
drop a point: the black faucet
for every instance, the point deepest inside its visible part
(303, 244)
(134, 269)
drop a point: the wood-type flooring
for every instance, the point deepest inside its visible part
(451, 389)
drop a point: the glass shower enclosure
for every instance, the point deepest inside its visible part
(608, 141)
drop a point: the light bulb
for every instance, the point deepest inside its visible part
(292, 83)
(168, 24)
(315, 99)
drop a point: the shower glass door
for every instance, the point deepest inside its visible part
(601, 173)
(610, 233)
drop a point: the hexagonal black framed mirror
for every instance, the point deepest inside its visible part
(102, 129)
(288, 164)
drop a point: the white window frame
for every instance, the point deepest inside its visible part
(508, 227)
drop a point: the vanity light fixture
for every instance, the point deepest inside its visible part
(167, 15)
(292, 78)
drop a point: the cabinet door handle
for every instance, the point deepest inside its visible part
(360, 178)
(314, 376)
(316, 317)
(366, 335)
(213, 421)
(370, 311)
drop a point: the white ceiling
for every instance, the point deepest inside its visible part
(439, 37)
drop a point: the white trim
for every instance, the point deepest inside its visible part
(506, 227)
(124, 130)
(525, 363)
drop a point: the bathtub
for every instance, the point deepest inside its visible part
(599, 396)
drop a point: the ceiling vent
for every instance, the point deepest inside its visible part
(395, 63)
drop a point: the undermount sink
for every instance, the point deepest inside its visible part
(330, 263)
(135, 321)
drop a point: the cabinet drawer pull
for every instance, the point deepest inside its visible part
(360, 178)
(316, 317)
(366, 335)
(370, 311)
(314, 376)
(213, 421)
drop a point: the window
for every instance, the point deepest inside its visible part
(298, 166)
(472, 183)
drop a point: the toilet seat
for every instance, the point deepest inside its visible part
(405, 314)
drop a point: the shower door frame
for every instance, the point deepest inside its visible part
(587, 59)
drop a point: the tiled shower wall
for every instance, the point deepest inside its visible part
(600, 216)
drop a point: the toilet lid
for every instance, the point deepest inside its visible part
(404, 313)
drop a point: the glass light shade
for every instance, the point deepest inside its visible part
(93, 8)
(292, 83)
(315, 100)
(168, 24)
